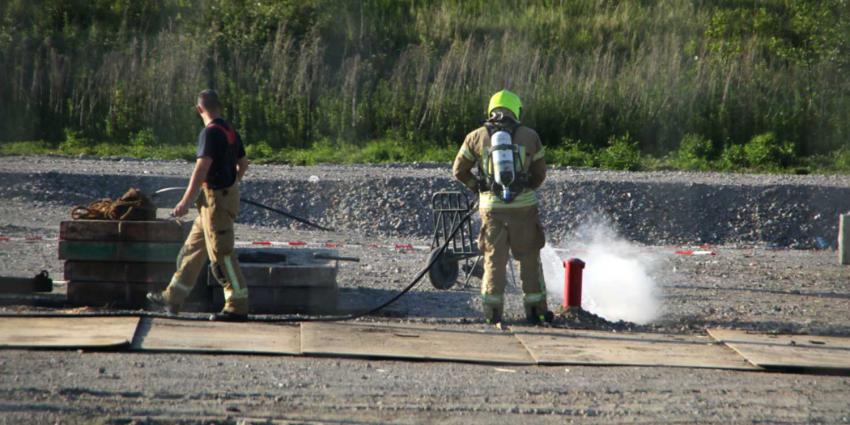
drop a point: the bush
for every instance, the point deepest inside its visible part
(75, 143)
(259, 152)
(572, 153)
(621, 154)
(142, 142)
(438, 154)
(841, 160)
(733, 158)
(694, 153)
(766, 151)
(380, 151)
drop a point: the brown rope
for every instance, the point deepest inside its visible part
(133, 205)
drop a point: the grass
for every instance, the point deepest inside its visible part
(409, 73)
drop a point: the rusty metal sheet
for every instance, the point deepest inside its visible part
(397, 342)
(66, 332)
(556, 347)
(788, 351)
(196, 336)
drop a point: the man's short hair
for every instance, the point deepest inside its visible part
(208, 99)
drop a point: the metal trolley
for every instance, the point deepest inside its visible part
(448, 208)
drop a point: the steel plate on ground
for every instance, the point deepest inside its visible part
(557, 347)
(395, 342)
(66, 332)
(197, 336)
(788, 351)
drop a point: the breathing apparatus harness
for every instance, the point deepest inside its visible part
(506, 177)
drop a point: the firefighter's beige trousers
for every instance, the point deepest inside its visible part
(212, 237)
(519, 230)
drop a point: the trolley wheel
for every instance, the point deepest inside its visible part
(444, 273)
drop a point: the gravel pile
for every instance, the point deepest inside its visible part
(651, 208)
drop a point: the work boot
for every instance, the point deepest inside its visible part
(157, 299)
(226, 316)
(535, 318)
(493, 316)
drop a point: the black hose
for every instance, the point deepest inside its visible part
(473, 208)
(410, 286)
(256, 204)
(285, 214)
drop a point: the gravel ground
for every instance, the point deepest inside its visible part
(755, 281)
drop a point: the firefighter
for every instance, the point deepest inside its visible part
(221, 163)
(510, 167)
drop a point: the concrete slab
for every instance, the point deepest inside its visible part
(196, 336)
(564, 347)
(397, 342)
(270, 300)
(66, 332)
(283, 275)
(788, 351)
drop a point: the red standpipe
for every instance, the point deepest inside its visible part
(572, 282)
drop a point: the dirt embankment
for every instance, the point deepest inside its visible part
(652, 208)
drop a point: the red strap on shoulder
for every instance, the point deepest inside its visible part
(228, 132)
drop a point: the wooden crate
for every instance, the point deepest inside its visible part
(130, 272)
(132, 231)
(116, 263)
(155, 252)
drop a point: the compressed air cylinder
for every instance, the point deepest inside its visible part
(503, 162)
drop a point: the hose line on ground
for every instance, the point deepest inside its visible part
(352, 316)
(412, 284)
(256, 204)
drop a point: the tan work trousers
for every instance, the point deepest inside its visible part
(212, 238)
(519, 230)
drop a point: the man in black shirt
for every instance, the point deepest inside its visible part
(219, 168)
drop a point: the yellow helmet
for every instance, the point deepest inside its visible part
(505, 99)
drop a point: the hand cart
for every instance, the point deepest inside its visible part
(448, 208)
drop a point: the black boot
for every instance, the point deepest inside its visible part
(493, 315)
(226, 316)
(535, 318)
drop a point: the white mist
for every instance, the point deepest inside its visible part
(617, 280)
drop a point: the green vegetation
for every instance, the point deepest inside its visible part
(693, 84)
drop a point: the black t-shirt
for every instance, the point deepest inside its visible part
(222, 143)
